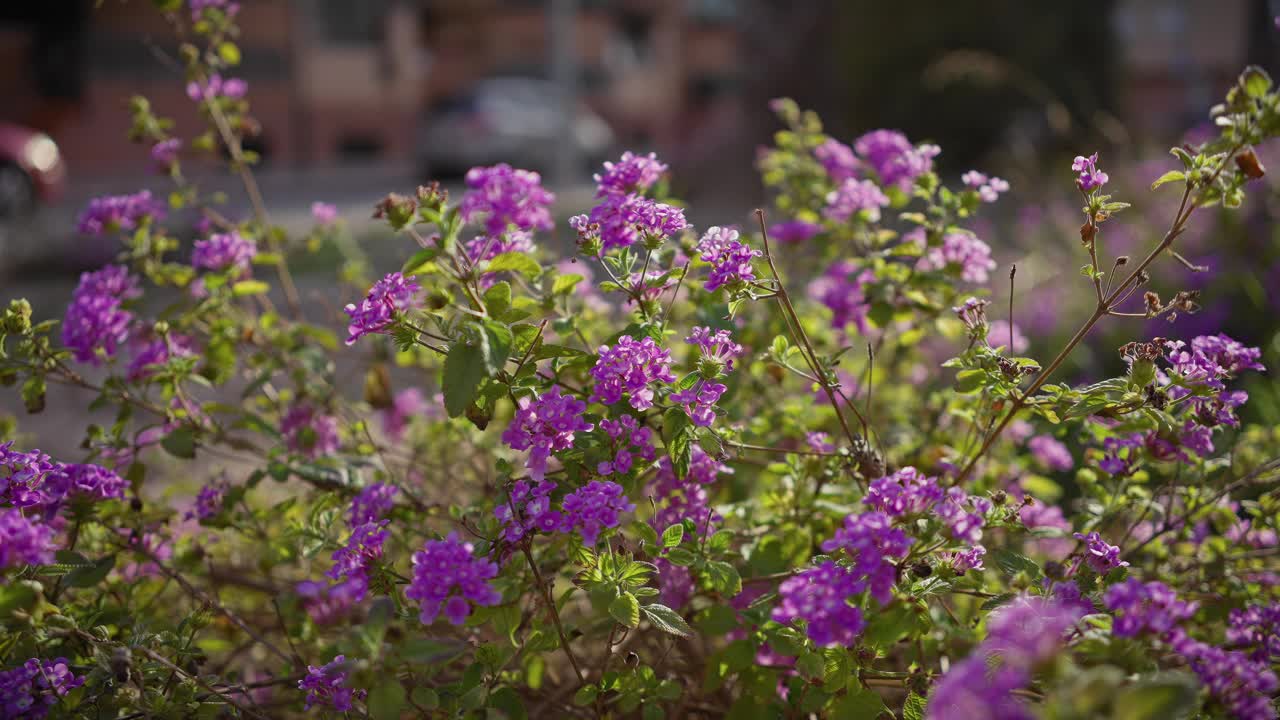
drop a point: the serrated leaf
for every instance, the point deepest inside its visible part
(91, 575)
(464, 368)
(517, 262)
(625, 609)
(497, 299)
(1014, 563)
(564, 284)
(680, 556)
(672, 536)
(181, 443)
(1171, 176)
(667, 620)
(679, 432)
(724, 578)
(913, 708)
(387, 701)
(419, 260)
(498, 347)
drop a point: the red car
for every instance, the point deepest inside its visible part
(31, 170)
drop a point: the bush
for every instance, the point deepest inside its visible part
(659, 479)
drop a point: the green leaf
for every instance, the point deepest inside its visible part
(180, 443)
(667, 620)
(724, 578)
(229, 53)
(1014, 563)
(18, 596)
(886, 626)
(672, 536)
(92, 575)
(464, 368)
(645, 532)
(497, 299)
(1255, 81)
(564, 284)
(419, 260)
(33, 393)
(498, 347)
(1171, 176)
(859, 704)
(515, 262)
(374, 628)
(680, 556)
(626, 609)
(508, 703)
(387, 701)
(586, 695)
(1168, 696)
(679, 431)
(913, 708)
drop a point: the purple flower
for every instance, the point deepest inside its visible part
(198, 7)
(959, 252)
(164, 154)
(622, 220)
(1100, 555)
(224, 252)
(1150, 607)
(327, 685)
(629, 368)
(871, 543)
(112, 213)
(376, 313)
(1258, 627)
(22, 475)
(819, 442)
(971, 690)
(1240, 684)
(506, 197)
(88, 481)
(324, 213)
(408, 404)
(716, 346)
(215, 88)
(629, 440)
(794, 231)
(989, 188)
(329, 602)
(1050, 453)
(158, 353)
(595, 507)
(30, 690)
(443, 566)
(730, 258)
(699, 401)
(1090, 177)
(855, 196)
(963, 514)
(372, 504)
(208, 501)
(998, 334)
(308, 432)
(842, 289)
(1028, 630)
(543, 425)
(675, 583)
(820, 597)
(1121, 453)
(486, 247)
(686, 499)
(837, 159)
(965, 560)
(528, 509)
(95, 321)
(906, 492)
(363, 547)
(24, 540)
(631, 174)
(1040, 515)
(894, 159)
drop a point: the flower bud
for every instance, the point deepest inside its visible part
(396, 209)
(1249, 164)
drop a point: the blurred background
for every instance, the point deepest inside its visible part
(358, 98)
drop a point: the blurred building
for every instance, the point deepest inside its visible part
(339, 81)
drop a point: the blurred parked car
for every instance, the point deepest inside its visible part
(515, 120)
(31, 170)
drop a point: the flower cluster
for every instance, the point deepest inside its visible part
(730, 259)
(893, 158)
(963, 514)
(1090, 178)
(114, 213)
(364, 546)
(327, 685)
(327, 603)
(988, 188)
(507, 197)
(24, 540)
(837, 159)
(375, 314)
(443, 566)
(158, 353)
(1237, 682)
(164, 154)
(595, 507)
(1021, 634)
(216, 88)
(855, 196)
(224, 252)
(686, 499)
(1256, 626)
(87, 481)
(30, 690)
(308, 432)
(1099, 555)
(325, 214)
(843, 290)
(372, 504)
(1145, 607)
(1051, 453)
(528, 508)
(629, 440)
(959, 252)
(794, 231)
(622, 220)
(543, 425)
(96, 321)
(631, 174)
(906, 492)
(820, 597)
(208, 501)
(871, 543)
(629, 368)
